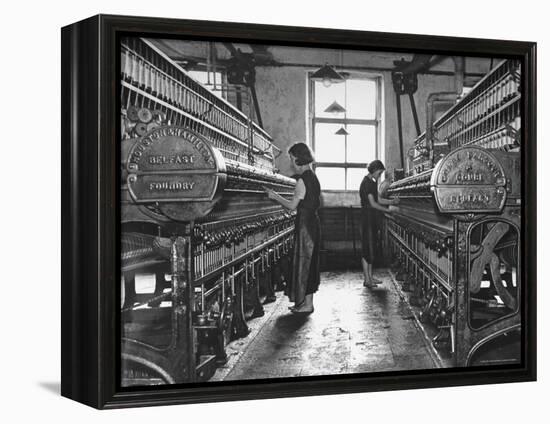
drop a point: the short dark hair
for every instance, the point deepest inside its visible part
(376, 165)
(302, 153)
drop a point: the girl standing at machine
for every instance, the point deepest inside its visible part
(370, 204)
(307, 233)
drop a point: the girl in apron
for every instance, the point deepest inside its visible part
(307, 234)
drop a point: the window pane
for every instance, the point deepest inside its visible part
(354, 178)
(361, 143)
(360, 99)
(331, 178)
(202, 77)
(329, 147)
(325, 96)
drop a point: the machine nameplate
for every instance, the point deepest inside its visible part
(164, 187)
(171, 149)
(170, 166)
(460, 199)
(469, 180)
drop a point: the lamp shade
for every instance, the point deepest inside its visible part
(341, 131)
(335, 107)
(327, 75)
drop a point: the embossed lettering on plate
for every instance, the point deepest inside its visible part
(172, 165)
(469, 179)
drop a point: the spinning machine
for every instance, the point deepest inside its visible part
(456, 238)
(203, 248)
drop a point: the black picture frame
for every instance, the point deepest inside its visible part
(90, 210)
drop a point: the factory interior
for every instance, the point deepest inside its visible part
(208, 257)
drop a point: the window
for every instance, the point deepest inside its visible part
(207, 79)
(354, 106)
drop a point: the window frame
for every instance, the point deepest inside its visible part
(376, 122)
(220, 70)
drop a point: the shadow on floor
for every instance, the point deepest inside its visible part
(381, 295)
(51, 386)
(353, 330)
(291, 323)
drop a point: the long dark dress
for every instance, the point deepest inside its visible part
(307, 241)
(368, 218)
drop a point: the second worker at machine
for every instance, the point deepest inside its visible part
(370, 204)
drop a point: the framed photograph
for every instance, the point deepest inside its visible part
(255, 211)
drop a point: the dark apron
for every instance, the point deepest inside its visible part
(368, 234)
(305, 269)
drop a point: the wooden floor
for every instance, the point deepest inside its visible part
(352, 330)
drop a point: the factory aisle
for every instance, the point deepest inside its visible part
(353, 329)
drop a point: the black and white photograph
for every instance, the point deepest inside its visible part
(275, 212)
(290, 211)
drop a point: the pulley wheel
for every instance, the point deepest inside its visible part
(132, 114)
(145, 115)
(140, 129)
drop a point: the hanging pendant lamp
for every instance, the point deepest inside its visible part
(335, 107)
(342, 131)
(327, 75)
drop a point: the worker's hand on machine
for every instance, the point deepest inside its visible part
(270, 193)
(393, 209)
